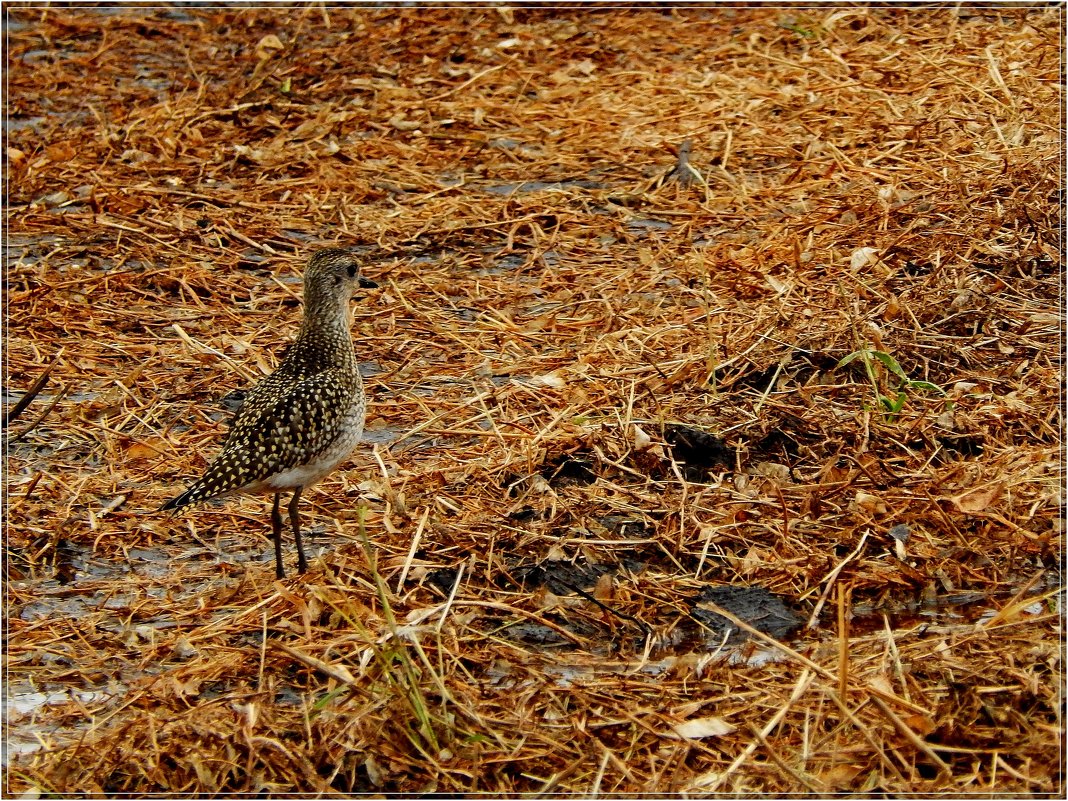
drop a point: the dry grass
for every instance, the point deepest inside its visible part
(532, 345)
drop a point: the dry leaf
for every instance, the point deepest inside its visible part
(779, 473)
(147, 449)
(881, 684)
(545, 598)
(781, 287)
(182, 648)
(268, 46)
(399, 122)
(603, 590)
(840, 776)
(60, 152)
(374, 772)
(639, 438)
(186, 689)
(893, 308)
(863, 257)
(977, 500)
(700, 727)
(552, 379)
(921, 724)
(1046, 317)
(872, 504)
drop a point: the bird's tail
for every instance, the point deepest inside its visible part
(190, 496)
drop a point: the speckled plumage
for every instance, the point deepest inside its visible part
(304, 419)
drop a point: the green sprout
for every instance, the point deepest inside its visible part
(871, 358)
(796, 27)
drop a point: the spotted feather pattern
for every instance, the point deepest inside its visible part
(304, 419)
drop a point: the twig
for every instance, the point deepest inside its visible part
(831, 578)
(31, 393)
(339, 672)
(41, 417)
(641, 624)
(911, 736)
(778, 760)
(799, 689)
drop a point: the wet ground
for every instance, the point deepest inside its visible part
(65, 580)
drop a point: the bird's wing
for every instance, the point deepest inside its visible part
(282, 424)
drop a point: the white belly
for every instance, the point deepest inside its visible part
(304, 475)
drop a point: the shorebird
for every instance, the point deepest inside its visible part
(303, 420)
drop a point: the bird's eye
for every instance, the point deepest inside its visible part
(353, 269)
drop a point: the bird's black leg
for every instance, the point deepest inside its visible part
(276, 529)
(294, 520)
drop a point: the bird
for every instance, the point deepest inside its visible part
(303, 420)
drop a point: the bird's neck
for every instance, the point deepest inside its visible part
(325, 335)
(325, 314)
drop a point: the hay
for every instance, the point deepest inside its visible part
(600, 236)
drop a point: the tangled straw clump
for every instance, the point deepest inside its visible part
(625, 258)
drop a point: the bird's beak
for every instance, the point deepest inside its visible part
(367, 283)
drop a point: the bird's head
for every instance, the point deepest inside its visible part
(333, 277)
